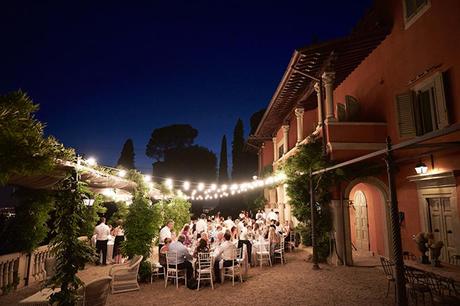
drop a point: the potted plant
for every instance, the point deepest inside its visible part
(435, 250)
(421, 239)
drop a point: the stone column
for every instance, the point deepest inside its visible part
(275, 150)
(328, 80)
(320, 103)
(285, 139)
(299, 115)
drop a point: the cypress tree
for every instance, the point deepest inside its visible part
(223, 164)
(126, 159)
(237, 150)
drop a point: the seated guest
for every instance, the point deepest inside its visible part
(234, 233)
(186, 232)
(205, 237)
(164, 249)
(201, 248)
(183, 256)
(278, 228)
(224, 252)
(274, 239)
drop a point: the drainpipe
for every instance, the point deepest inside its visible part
(323, 125)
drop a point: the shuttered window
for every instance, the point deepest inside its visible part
(423, 109)
(405, 114)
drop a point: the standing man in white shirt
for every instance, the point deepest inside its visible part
(102, 232)
(165, 232)
(201, 224)
(271, 216)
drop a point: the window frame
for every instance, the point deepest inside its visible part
(437, 98)
(408, 21)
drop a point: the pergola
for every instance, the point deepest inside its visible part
(112, 186)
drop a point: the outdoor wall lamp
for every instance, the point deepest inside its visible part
(421, 168)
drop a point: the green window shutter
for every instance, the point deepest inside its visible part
(405, 115)
(442, 117)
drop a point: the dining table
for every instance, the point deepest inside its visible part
(446, 270)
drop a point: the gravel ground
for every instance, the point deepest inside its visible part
(294, 283)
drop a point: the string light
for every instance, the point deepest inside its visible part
(186, 185)
(169, 183)
(199, 191)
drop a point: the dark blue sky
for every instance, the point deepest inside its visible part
(105, 71)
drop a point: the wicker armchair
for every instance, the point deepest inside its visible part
(95, 293)
(124, 276)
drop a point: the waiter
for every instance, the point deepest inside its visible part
(102, 232)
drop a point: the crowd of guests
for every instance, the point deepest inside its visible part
(220, 236)
(206, 234)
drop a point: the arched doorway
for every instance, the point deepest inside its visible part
(368, 220)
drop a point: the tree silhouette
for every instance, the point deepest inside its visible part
(223, 164)
(237, 150)
(126, 159)
(189, 163)
(170, 137)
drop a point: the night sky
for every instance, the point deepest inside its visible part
(105, 71)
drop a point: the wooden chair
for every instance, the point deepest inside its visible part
(263, 253)
(124, 276)
(279, 252)
(95, 293)
(172, 271)
(235, 267)
(416, 284)
(387, 266)
(204, 270)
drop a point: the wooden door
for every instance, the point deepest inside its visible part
(361, 222)
(441, 225)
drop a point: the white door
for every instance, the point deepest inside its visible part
(361, 223)
(440, 224)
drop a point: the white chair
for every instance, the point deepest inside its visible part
(279, 252)
(124, 276)
(156, 270)
(263, 252)
(172, 271)
(230, 270)
(204, 270)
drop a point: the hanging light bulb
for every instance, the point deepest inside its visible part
(213, 187)
(224, 187)
(186, 185)
(201, 186)
(91, 161)
(169, 183)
